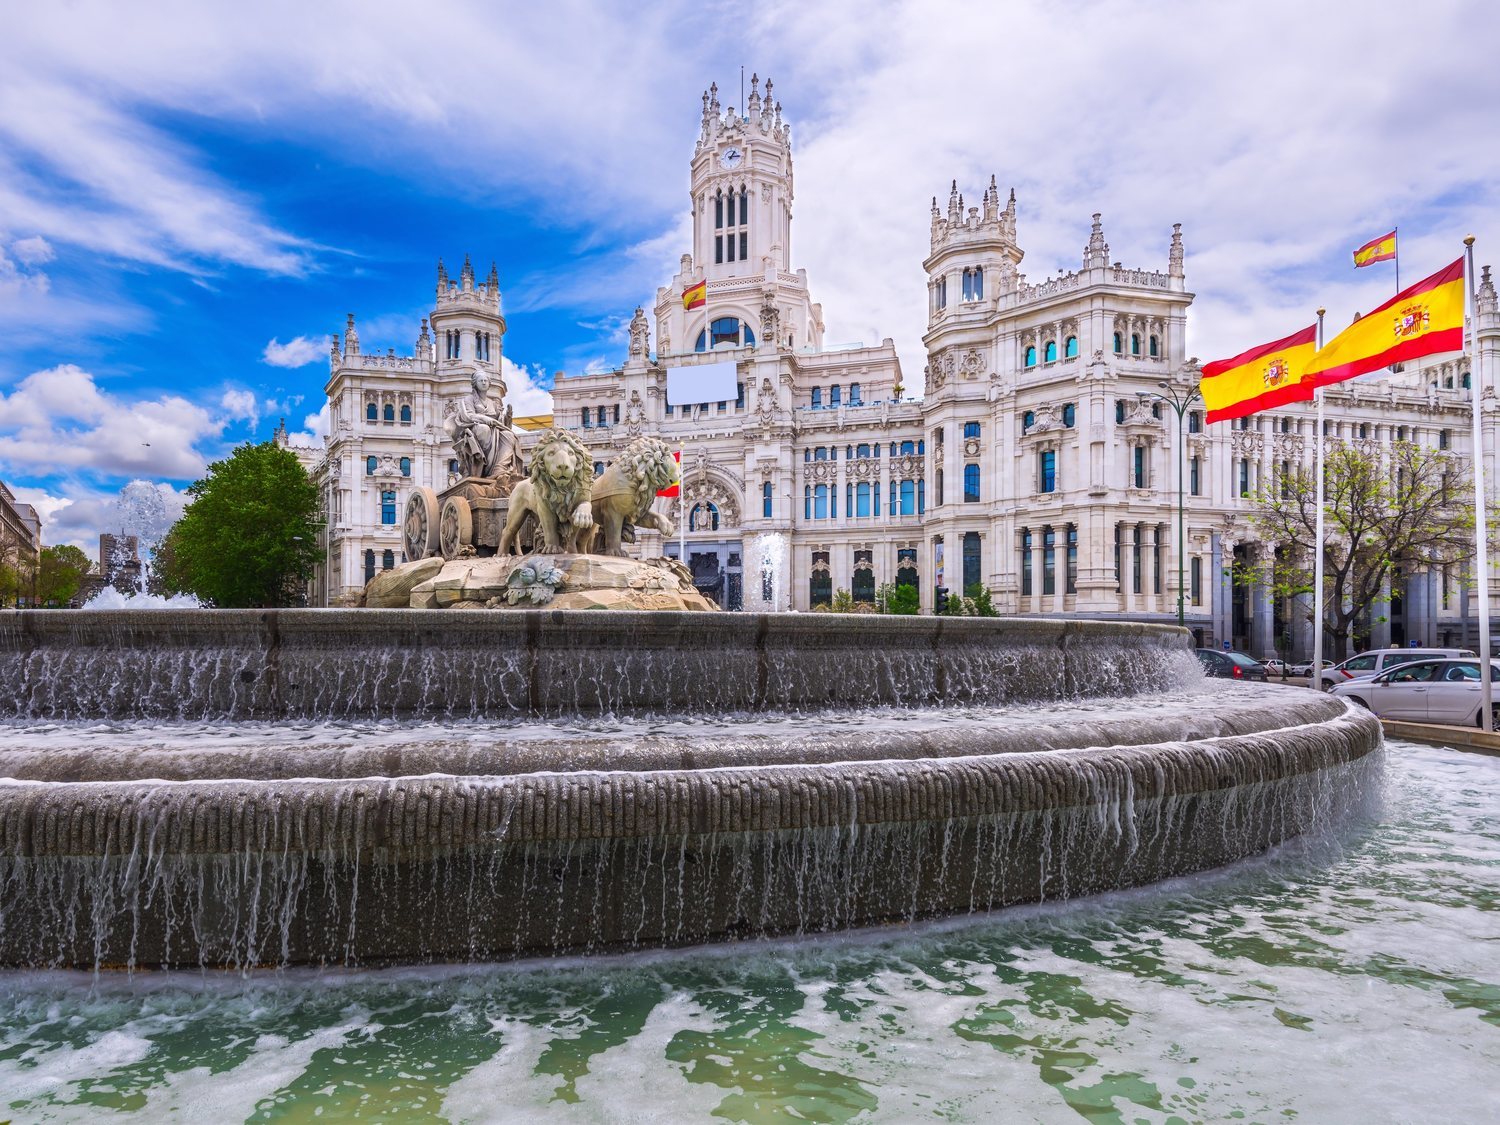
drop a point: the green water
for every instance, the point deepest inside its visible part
(1358, 982)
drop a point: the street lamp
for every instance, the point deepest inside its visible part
(1179, 399)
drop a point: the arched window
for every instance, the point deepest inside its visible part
(971, 484)
(372, 413)
(1195, 422)
(835, 395)
(724, 330)
(807, 501)
(921, 445)
(405, 413)
(704, 517)
(390, 412)
(817, 398)
(1027, 421)
(1030, 355)
(1119, 410)
(702, 344)
(1050, 355)
(921, 495)
(388, 507)
(370, 463)
(1135, 344)
(406, 466)
(1070, 347)
(369, 565)
(937, 490)
(862, 451)
(1152, 346)
(854, 399)
(908, 448)
(388, 560)
(453, 465)
(1070, 414)
(971, 429)
(978, 283)
(604, 416)
(765, 500)
(1118, 348)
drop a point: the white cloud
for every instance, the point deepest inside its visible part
(77, 514)
(314, 429)
(524, 392)
(240, 405)
(57, 421)
(34, 251)
(299, 351)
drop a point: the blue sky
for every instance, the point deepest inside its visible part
(179, 191)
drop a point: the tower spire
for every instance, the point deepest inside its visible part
(466, 277)
(1174, 256)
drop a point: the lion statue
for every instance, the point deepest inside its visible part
(557, 481)
(621, 498)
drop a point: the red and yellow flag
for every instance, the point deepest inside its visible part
(695, 296)
(1263, 377)
(1423, 319)
(1381, 249)
(676, 486)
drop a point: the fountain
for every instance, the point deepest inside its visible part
(244, 788)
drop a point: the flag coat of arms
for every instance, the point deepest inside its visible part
(1382, 249)
(675, 487)
(695, 296)
(1266, 376)
(1423, 319)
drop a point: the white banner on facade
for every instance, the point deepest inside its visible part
(703, 382)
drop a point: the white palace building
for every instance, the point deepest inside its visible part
(1031, 464)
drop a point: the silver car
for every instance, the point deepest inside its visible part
(1369, 664)
(1428, 691)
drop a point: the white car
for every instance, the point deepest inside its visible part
(1372, 663)
(1427, 691)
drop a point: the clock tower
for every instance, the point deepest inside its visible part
(740, 191)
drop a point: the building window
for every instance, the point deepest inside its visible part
(1030, 355)
(835, 395)
(1244, 478)
(854, 399)
(1195, 422)
(1070, 415)
(1138, 467)
(765, 500)
(1119, 411)
(937, 489)
(1050, 354)
(598, 468)
(921, 495)
(971, 560)
(1135, 558)
(725, 330)
(1047, 471)
(971, 484)
(390, 412)
(1070, 348)
(406, 414)
(820, 502)
(588, 418)
(703, 517)
(973, 284)
(1156, 558)
(453, 465)
(372, 413)
(406, 466)
(719, 209)
(1443, 439)
(669, 410)
(1152, 347)
(388, 560)
(1364, 429)
(971, 430)
(1118, 348)
(369, 565)
(1072, 578)
(1049, 561)
(1119, 535)
(388, 507)
(820, 583)
(370, 464)
(1026, 563)
(1195, 580)
(1194, 481)
(906, 566)
(739, 396)
(1135, 349)
(817, 398)
(1027, 421)
(941, 289)
(908, 498)
(908, 448)
(861, 500)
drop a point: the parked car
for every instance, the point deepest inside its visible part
(1230, 665)
(1305, 667)
(1275, 666)
(1376, 661)
(1427, 691)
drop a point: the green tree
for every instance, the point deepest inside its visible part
(167, 577)
(1387, 514)
(843, 602)
(978, 595)
(249, 534)
(59, 572)
(899, 599)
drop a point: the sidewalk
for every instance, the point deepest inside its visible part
(1470, 739)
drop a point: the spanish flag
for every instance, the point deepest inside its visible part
(1381, 249)
(1423, 319)
(1263, 377)
(695, 296)
(676, 486)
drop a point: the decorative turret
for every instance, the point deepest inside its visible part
(335, 355)
(991, 202)
(351, 337)
(1096, 253)
(442, 281)
(424, 341)
(987, 221)
(1485, 303)
(1174, 256)
(492, 282)
(955, 206)
(466, 277)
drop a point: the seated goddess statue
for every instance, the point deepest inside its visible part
(482, 439)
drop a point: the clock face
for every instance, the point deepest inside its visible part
(732, 158)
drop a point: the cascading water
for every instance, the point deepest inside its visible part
(241, 789)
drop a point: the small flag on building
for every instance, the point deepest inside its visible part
(1382, 249)
(695, 296)
(676, 485)
(1263, 377)
(1423, 319)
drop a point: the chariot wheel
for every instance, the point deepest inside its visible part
(456, 528)
(420, 527)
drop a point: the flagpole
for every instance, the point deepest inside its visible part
(1481, 532)
(1396, 246)
(1317, 660)
(682, 504)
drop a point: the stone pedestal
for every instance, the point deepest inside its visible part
(561, 581)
